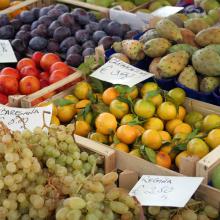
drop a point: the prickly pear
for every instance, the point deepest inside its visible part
(186, 47)
(176, 20)
(121, 57)
(117, 46)
(208, 36)
(196, 24)
(133, 49)
(153, 67)
(173, 63)
(209, 84)
(189, 78)
(207, 62)
(188, 37)
(168, 30)
(148, 35)
(156, 47)
(215, 47)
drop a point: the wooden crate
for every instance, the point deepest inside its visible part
(108, 154)
(41, 3)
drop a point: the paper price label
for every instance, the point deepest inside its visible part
(118, 72)
(169, 191)
(18, 119)
(7, 54)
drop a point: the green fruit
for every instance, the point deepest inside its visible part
(208, 20)
(214, 14)
(189, 215)
(178, 95)
(216, 177)
(196, 24)
(209, 84)
(153, 210)
(210, 122)
(209, 5)
(202, 217)
(211, 212)
(186, 47)
(193, 117)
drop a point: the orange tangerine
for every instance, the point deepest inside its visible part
(181, 113)
(152, 139)
(122, 147)
(163, 159)
(109, 95)
(82, 128)
(96, 136)
(82, 104)
(82, 89)
(165, 136)
(182, 128)
(118, 108)
(179, 157)
(154, 123)
(168, 149)
(167, 111)
(172, 124)
(140, 130)
(126, 134)
(127, 118)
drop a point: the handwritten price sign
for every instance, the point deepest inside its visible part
(25, 118)
(6, 52)
(119, 72)
(165, 190)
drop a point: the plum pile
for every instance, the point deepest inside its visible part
(72, 34)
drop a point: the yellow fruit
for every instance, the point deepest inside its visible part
(109, 95)
(147, 87)
(54, 108)
(154, 123)
(88, 117)
(180, 137)
(99, 137)
(210, 122)
(71, 98)
(106, 123)
(82, 89)
(66, 113)
(168, 149)
(133, 94)
(181, 113)
(156, 100)
(126, 134)
(122, 147)
(182, 128)
(127, 118)
(179, 157)
(165, 136)
(178, 95)
(118, 108)
(135, 153)
(55, 120)
(172, 124)
(197, 147)
(82, 104)
(82, 128)
(144, 109)
(4, 4)
(167, 111)
(152, 139)
(213, 138)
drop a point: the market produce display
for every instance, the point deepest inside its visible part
(144, 121)
(73, 35)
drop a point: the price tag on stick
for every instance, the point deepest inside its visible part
(18, 119)
(7, 54)
(171, 191)
(116, 71)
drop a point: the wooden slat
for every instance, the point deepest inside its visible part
(27, 100)
(205, 166)
(101, 149)
(145, 5)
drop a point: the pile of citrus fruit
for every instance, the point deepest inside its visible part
(143, 121)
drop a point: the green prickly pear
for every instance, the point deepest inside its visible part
(207, 62)
(208, 36)
(148, 35)
(215, 47)
(121, 57)
(117, 46)
(156, 47)
(133, 49)
(186, 47)
(168, 30)
(173, 63)
(209, 84)
(189, 78)
(196, 24)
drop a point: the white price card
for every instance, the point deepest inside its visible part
(171, 191)
(166, 11)
(18, 119)
(116, 71)
(7, 54)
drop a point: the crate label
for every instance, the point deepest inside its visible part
(166, 11)
(116, 71)
(18, 119)
(172, 191)
(7, 54)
